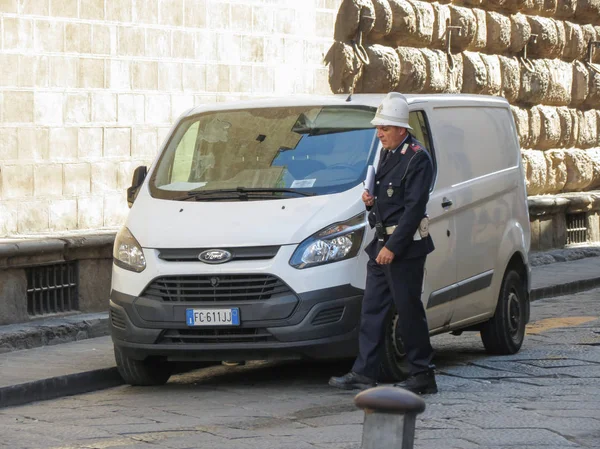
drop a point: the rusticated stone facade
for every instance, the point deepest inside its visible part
(89, 89)
(554, 89)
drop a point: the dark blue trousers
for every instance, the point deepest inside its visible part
(400, 282)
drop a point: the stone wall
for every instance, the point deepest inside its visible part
(553, 89)
(89, 89)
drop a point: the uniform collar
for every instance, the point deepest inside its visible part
(401, 143)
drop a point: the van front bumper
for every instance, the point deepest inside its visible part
(312, 325)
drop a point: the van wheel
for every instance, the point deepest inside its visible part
(504, 333)
(142, 372)
(394, 366)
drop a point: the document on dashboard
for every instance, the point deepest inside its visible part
(370, 179)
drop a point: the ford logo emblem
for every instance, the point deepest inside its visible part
(215, 256)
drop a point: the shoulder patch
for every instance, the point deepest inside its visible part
(415, 147)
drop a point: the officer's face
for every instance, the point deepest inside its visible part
(390, 136)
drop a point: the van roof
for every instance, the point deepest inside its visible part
(372, 100)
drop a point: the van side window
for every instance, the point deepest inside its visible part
(420, 131)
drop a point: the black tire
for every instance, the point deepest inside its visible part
(394, 366)
(146, 372)
(503, 334)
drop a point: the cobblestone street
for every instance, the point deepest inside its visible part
(545, 396)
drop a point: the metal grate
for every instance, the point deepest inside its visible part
(52, 289)
(329, 316)
(576, 228)
(216, 288)
(191, 336)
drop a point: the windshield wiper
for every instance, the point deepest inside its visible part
(241, 193)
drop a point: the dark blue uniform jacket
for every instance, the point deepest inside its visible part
(402, 191)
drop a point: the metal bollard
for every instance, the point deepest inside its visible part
(390, 417)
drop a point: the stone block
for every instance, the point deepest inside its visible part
(8, 144)
(90, 212)
(17, 181)
(218, 78)
(17, 34)
(77, 108)
(535, 83)
(183, 45)
(63, 72)
(90, 143)
(593, 97)
(520, 32)
(158, 43)
(48, 180)
(49, 36)
(33, 7)
(33, 143)
(33, 71)
(8, 75)
(13, 296)
(588, 129)
(104, 39)
(579, 170)
(115, 209)
(63, 144)
(581, 84)
(170, 12)
(206, 47)
(8, 221)
(117, 142)
(130, 109)
(17, 107)
(546, 233)
(557, 171)
(413, 70)
(158, 109)
(547, 44)
(565, 9)
(262, 81)
(104, 177)
(593, 227)
(78, 37)
(94, 284)
(92, 9)
(498, 31)
(511, 78)
(494, 74)
(559, 231)
(382, 74)
(194, 14)
(521, 117)
(252, 49)
(475, 77)
(48, 108)
(550, 129)
(119, 11)
(77, 179)
(560, 87)
(404, 24)
(144, 143)
(91, 73)
(182, 103)
(170, 76)
(241, 79)
(63, 215)
(119, 74)
(480, 39)
(144, 75)
(125, 174)
(241, 18)
(104, 107)
(587, 11)
(64, 8)
(537, 171)
(229, 46)
(466, 19)
(132, 41)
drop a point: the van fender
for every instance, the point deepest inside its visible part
(513, 243)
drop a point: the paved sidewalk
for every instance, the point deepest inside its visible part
(71, 368)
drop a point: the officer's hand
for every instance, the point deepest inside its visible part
(385, 256)
(367, 198)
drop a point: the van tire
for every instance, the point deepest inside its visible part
(146, 372)
(394, 366)
(503, 334)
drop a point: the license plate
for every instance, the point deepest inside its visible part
(212, 317)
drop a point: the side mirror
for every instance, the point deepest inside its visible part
(138, 178)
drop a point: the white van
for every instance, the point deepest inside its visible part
(245, 239)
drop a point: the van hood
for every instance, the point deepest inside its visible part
(159, 223)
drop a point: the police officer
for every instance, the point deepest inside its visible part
(397, 254)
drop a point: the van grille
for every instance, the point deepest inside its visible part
(576, 228)
(196, 336)
(207, 288)
(329, 316)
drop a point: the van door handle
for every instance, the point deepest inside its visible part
(446, 202)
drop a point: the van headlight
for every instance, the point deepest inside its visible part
(337, 242)
(127, 252)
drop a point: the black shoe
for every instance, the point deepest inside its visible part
(422, 383)
(352, 381)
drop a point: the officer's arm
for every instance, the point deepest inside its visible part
(416, 195)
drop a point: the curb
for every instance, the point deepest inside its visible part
(568, 288)
(56, 387)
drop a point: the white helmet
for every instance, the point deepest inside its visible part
(393, 111)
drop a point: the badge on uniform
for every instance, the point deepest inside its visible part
(404, 149)
(390, 190)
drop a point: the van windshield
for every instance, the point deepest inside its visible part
(267, 153)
